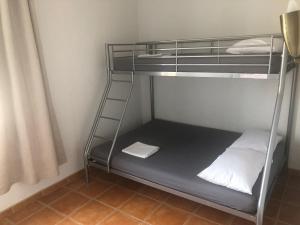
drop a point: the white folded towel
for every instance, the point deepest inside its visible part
(141, 150)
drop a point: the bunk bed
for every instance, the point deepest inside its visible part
(186, 149)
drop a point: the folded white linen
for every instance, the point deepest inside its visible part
(252, 46)
(140, 150)
(237, 169)
(254, 139)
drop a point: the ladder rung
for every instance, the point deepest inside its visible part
(117, 99)
(101, 137)
(122, 81)
(110, 118)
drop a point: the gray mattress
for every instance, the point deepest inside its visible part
(125, 64)
(185, 150)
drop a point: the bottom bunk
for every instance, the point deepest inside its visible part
(185, 150)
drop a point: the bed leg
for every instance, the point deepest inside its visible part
(86, 172)
(259, 218)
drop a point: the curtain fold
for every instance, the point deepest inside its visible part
(28, 150)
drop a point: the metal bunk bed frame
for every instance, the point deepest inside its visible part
(151, 47)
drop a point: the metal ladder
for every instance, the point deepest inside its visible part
(100, 116)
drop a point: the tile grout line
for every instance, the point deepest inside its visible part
(135, 193)
(106, 217)
(96, 196)
(55, 200)
(90, 199)
(27, 216)
(155, 209)
(282, 202)
(161, 202)
(188, 219)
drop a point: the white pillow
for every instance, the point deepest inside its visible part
(235, 169)
(254, 139)
(239, 47)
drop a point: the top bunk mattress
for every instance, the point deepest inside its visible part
(253, 64)
(185, 150)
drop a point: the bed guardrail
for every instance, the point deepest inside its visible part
(175, 57)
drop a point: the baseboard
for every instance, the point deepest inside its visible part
(40, 194)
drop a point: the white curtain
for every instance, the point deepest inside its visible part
(28, 148)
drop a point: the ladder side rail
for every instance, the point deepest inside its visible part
(272, 139)
(98, 114)
(120, 122)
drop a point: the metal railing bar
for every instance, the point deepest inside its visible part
(121, 81)
(197, 64)
(110, 118)
(101, 137)
(213, 38)
(193, 48)
(271, 50)
(116, 99)
(209, 56)
(229, 38)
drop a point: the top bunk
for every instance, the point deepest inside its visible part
(257, 57)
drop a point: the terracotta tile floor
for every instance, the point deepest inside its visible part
(112, 200)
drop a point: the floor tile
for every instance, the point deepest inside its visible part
(4, 222)
(268, 221)
(214, 215)
(198, 221)
(283, 177)
(182, 203)
(272, 208)
(25, 212)
(130, 184)
(278, 191)
(67, 222)
(290, 214)
(292, 195)
(43, 217)
(239, 221)
(99, 174)
(166, 215)
(140, 206)
(294, 181)
(91, 213)
(281, 223)
(49, 198)
(120, 219)
(116, 196)
(94, 188)
(154, 193)
(69, 203)
(76, 183)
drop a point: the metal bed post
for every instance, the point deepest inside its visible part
(151, 88)
(291, 109)
(98, 114)
(272, 139)
(271, 53)
(151, 80)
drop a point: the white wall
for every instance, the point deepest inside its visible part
(220, 103)
(72, 35)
